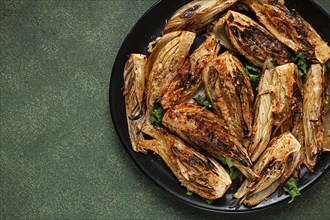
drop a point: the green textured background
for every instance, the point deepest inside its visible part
(60, 156)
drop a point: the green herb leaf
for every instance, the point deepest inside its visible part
(292, 190)
(252, 72)
(208, 201)
(205, 102)
(189, 193)
(302, 63)
(233, 172)
(156, 116)
(229, 162)
(223, 160)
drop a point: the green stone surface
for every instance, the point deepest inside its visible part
(60, 156)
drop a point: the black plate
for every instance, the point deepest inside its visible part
(149, 28)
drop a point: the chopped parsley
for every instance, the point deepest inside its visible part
(302, 63)
(233, 172)
(205, 102)
(252, 72)
(292, 190)
(156, 116)
(208, 201)
(189, 193)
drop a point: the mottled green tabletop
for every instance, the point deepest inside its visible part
(60, 156)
